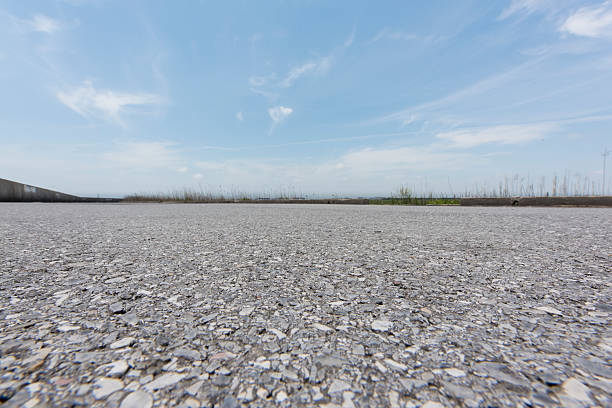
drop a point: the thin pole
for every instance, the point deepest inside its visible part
(603, 182)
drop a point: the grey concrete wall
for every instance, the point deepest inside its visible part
(540, 201)
(14, 191)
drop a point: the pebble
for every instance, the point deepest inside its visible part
(124, 342)
(322, 327)
(394, 365)
(281, 397)
(117, 308)
(116, 368)
(338, 386)
(164, 380)
(137, 399)
(103, 387)
(382, 325)
(187, 354)
(550, 310)
(573, 388)
(454, 372)
(246, 311)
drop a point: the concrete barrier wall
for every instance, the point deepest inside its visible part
(13, 191)
(539, 201)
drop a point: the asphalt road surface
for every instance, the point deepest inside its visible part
(140, 305)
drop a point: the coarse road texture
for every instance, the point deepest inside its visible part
(144, 305)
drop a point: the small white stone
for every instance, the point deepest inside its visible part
(432, 404)
(67, 327)
(412, 349)
(338, 386)
(137, 399)
(316, 394)
(245, 311)
(455, 372)
(281, 397)
(133, 386)
(393, 399)
(573, 388)
(381, 367)
(191, 403)
(124, 342)
(394, 365)
(106, 386)
(347, 399)
(116, 368)
(194, 388)
(382, 325)
(550, 310)
(61, 297)
(174, 301)
(34, 387)
(247, 394)
(262, 393)
(278, 333)
(265, 365)
(164, 381)
(322, 327)
(33, 402)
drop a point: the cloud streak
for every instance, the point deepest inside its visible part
(388, 34)
(142, 156)
(505, 135)
(592, 21)
(320, 67)
(90, 102)
(524, 7)
(279, 113)
(45, 24)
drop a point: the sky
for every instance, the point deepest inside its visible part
(350, 98)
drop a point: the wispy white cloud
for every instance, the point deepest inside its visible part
(505, 134)
(279, 113)
(320, 66)
(105, 104)
(370, 170)
(480, 87)
(269, 86)
(239, 116)
(39, 23)
(261, 80)
(141, 156)
(524, 7)
(388, 34)
(376, 160)
(349, 41)
(45, 24)
(261, 85)
(297, 72)
(591, 21)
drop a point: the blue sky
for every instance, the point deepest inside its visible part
(358, 98)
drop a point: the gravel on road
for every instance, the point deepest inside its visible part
(147, 305)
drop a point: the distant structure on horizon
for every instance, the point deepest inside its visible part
(13, 191)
